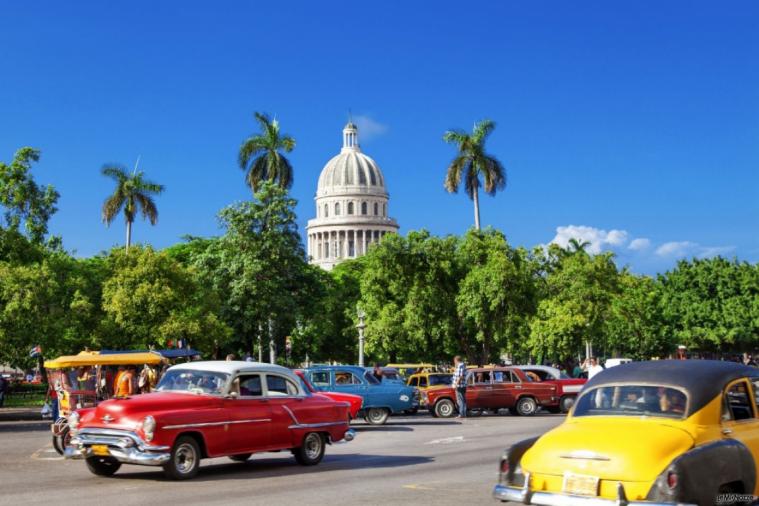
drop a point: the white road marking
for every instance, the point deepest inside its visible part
(446, 440)
(46, 453)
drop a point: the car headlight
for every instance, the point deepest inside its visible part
(73, 422)
(148, 428)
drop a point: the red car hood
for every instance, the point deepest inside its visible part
(128, 412)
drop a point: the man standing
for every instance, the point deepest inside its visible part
(594, 368)
(459, 383)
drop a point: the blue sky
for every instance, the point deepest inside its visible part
(632, 124)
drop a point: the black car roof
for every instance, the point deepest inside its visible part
(702, 380)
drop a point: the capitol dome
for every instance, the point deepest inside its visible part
(351, 205)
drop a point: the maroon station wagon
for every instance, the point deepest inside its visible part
(491, 389)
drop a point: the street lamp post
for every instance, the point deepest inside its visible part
(272, 348)
(260, 344)
(361, 326)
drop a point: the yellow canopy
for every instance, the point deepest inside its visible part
(91, 358)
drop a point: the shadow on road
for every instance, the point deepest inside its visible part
(25, 426)
(265, 468)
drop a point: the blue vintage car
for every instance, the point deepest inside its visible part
(380, 399)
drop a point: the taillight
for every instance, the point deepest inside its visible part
(504, 465)
(672, 479)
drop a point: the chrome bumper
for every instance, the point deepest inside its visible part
(525, 496)
(124, 446)
(350, 435)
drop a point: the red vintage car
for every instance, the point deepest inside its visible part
(567, 388)
(355, 401)
(492, 389)
(208, 409)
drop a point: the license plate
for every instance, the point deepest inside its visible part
(100, 450)
(580, 484)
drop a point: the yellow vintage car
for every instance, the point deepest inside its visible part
(425, 380)
(661, 432)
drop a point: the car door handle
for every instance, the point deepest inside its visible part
(518, 387)
(727, 432)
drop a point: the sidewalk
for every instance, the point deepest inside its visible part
(21, 414)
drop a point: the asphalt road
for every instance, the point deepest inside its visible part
(412, 460)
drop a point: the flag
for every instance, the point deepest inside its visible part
(35, 352)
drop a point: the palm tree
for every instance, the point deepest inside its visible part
(260, 155)
(471, 162)
(132, 193)
(577, 245)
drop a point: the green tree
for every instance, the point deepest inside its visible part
(496, 295)
(408, 289)
(712, 304)
(133, 193)
(261, 158)
(576, 302)
(151, 299)
(635, 327)
(258, 268)
(22, 200)
(471, 163)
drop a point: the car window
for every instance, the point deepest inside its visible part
(514, 377)
(755, 384)
(320, 378)
(249, 385)
(631, 400)
(277, 386)
(501, 377)
(346, 378)
(482, 378)
(440, 379)
(369, 377)
(738, 402)
(422, 381)
(192, 381)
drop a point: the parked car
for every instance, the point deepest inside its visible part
(208, 409)
(611, 362)
(407, 369)
(389, 375)
(355, 401)
(659, 432)
(425, 380)
(492, 389)
(380, 399)
(566, 388)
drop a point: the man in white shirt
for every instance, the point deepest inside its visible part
(594, 368)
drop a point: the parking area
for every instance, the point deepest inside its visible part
(411, 460)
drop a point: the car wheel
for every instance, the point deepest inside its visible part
(566, 403)
(241, 457)
(526, 406)
(103, 466)
(445, 408)
(377, 416)
(311, 451)
(185, 459)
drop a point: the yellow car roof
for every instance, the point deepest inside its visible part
(409, 366)
(91, 358)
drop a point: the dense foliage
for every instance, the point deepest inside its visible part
(425, 297)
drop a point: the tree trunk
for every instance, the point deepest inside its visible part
(128, 235)
(476, 198)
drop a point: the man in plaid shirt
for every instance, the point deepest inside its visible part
(459, 383)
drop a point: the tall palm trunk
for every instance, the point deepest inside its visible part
(128, 235)
(476, 199)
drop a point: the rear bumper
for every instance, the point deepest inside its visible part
(124, 446)
(525, 496)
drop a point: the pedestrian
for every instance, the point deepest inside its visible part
(125, 383)
(459, 384)
(230, 357)
(594, 368)
(377, 372)
(3, 389)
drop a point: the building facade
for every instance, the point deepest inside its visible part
(351, 206)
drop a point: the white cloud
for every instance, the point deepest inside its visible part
(599, 239)
(639, 244)
(680, 249)
(368, 128)
(676, 249)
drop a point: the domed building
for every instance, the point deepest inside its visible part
(351, 206)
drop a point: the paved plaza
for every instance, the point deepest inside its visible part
(412, 460)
